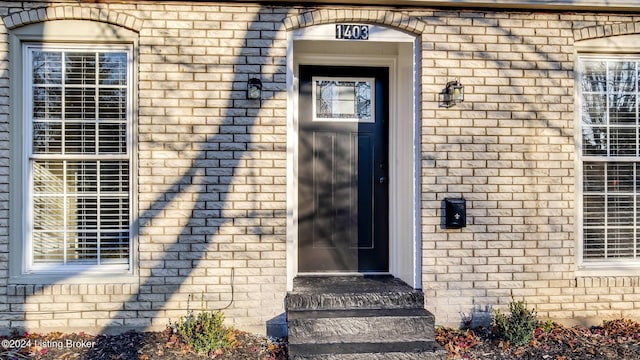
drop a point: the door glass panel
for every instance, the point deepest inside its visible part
(343, 99)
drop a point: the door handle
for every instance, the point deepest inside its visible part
(382, 180)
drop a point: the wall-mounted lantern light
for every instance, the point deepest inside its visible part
(452, 94)
(254, 89)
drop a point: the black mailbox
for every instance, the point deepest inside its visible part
(455, 213)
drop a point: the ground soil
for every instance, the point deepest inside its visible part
(134, 346)
(614, 340)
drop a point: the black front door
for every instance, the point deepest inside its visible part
(343, 169)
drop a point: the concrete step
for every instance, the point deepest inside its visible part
(359, 317)
(397, 350)
(352, 292)
(360, 326)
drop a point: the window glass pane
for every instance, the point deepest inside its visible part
(80, 138)
(343, 99)
(620, 243)
(47, 67)
(80, 103)
(114, 248)
(48, 247)
(114, 177)
(48, 177)
(82, 177)
(48, 212)
(593, 210)
(622, 76)
(594, 76)
(620, 177)
(82, 244)
(594, 109)
(83, 213)
(114, 241)
(82, 248)
(593, 176)
(80, 68)
(113, 138)
(618, 210)
(47, 103)
(112, 211)
(623, 141)
(113, 68)
(622, 109)
(113, 104)
(47, 137)
(593, 243)
(594, 140)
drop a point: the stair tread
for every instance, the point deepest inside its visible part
(352, 292)
(361, 313)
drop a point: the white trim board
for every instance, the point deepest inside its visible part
(385, 48)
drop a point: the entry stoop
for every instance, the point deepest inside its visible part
(359, 317)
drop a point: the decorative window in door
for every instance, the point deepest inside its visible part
(343, 99)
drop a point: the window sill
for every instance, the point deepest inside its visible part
(611, 270)
(49, 278)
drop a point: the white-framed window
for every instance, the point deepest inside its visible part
(609, 90)
(77, 119)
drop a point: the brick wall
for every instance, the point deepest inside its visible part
(212, 167)
(211, 172)
(212, 164)
(509, 150)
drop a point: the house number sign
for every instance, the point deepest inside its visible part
(352, 32)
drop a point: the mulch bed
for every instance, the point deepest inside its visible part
(133, 346)
(615, 340)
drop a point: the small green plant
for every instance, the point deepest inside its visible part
(547, 326)
(517, 326)
(204, 332)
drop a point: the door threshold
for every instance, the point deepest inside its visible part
(342, 273)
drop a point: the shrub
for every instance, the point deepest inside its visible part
(204, 332)
(517, 326)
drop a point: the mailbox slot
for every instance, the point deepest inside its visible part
(455, 213)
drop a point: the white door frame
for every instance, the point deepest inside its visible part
(398, 51)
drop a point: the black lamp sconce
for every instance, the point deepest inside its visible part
(254, 89)
(452, 94)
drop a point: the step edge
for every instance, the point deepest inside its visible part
(363, 348)
(419, 333)
(335, 340)
(358, 313)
